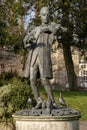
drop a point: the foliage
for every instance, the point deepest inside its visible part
(69, 13)
(13, 97)
(72, 14)
(11, 24)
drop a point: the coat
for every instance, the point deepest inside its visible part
(40, 48)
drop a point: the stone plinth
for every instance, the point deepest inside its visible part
(47, 122)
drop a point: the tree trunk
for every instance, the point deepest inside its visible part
(69, 67)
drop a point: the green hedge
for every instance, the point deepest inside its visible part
(13, 97)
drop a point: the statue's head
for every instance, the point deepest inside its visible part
(45, 15)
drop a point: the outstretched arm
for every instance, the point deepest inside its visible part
(59, 27)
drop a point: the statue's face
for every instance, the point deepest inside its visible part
(45, 16)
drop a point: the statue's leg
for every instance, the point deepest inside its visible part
(46, 84)
(48, 88)
(33, 78)
(33, 81)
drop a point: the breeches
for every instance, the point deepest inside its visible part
(33, 73)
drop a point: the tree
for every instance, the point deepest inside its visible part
(12, 24)
(74, 13)
(67, 42)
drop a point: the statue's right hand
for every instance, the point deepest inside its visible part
(27, 45)
(30, 40)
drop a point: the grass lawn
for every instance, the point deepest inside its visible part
(74, 99)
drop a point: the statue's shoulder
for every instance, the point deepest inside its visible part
(32, 28)
(37, 27)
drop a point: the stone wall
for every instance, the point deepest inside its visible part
(10, 62)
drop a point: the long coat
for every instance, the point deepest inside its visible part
(41, 49)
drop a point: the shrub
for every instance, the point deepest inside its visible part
(6, 76)
(13, 97)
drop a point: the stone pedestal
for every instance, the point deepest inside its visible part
(47, 122)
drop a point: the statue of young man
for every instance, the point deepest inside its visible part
(39, 41)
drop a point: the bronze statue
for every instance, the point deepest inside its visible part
(39, 42)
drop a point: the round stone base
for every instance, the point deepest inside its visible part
(47, 122)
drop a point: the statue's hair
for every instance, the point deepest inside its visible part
(44, 8)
